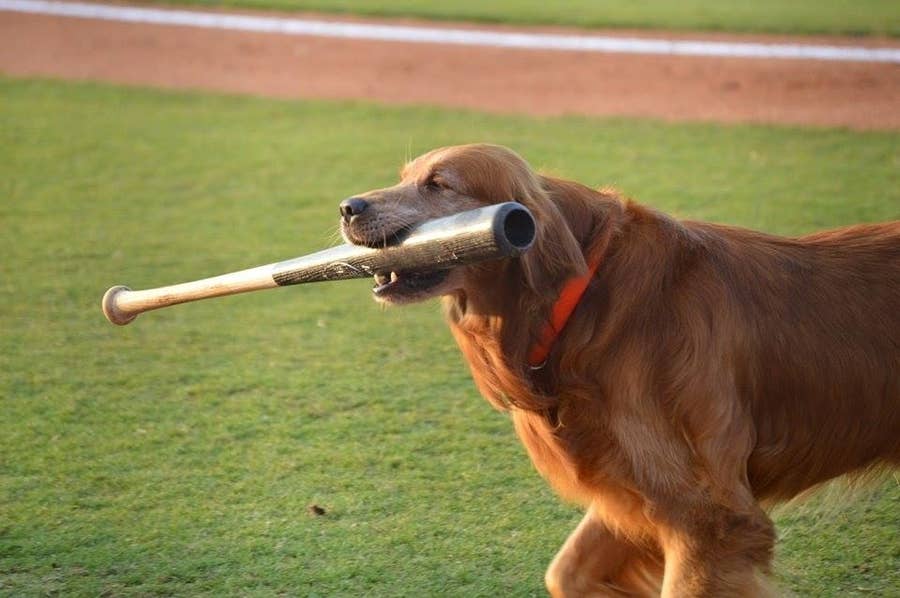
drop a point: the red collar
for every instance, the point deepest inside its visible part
(569, 296)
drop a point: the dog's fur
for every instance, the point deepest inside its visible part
(707, 370)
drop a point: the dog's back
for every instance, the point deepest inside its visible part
(817, 349)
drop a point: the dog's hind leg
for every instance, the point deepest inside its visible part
(595, 562)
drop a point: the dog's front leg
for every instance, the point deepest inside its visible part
(595, 562)
(717, 552)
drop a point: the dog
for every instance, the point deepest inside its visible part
(702, 372)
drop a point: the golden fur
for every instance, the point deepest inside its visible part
(707, 370)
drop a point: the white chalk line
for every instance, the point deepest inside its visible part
(464, 37)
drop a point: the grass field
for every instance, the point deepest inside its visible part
(847, 17)
(179, 455)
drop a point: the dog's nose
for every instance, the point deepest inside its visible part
(353, 207)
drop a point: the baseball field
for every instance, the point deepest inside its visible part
(304, 441)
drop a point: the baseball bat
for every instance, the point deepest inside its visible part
(500, 230)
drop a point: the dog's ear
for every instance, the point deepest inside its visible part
(555, 256)
(494, 174)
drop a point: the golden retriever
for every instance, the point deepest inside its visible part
(706, 370)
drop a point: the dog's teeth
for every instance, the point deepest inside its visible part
(394, 277)
(381, 279)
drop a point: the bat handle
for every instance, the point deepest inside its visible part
(112, 308)
(121, 305)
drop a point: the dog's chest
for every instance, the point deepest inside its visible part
(550, 455)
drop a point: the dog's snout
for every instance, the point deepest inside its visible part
(353, 207)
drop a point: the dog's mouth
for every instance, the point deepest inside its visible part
(396, 285)
(373, 236)
(386, 240)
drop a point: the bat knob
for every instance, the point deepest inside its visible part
(111, 309)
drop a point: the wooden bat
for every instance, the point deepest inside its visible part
(500, 230)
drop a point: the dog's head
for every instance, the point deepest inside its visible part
(446, 181)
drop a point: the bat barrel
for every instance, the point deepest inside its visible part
(501, 230)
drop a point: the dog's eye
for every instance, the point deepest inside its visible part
(435, 183)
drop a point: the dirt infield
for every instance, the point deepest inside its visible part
(538, 82)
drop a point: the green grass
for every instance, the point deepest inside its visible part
(848, 17)
(178, 456)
